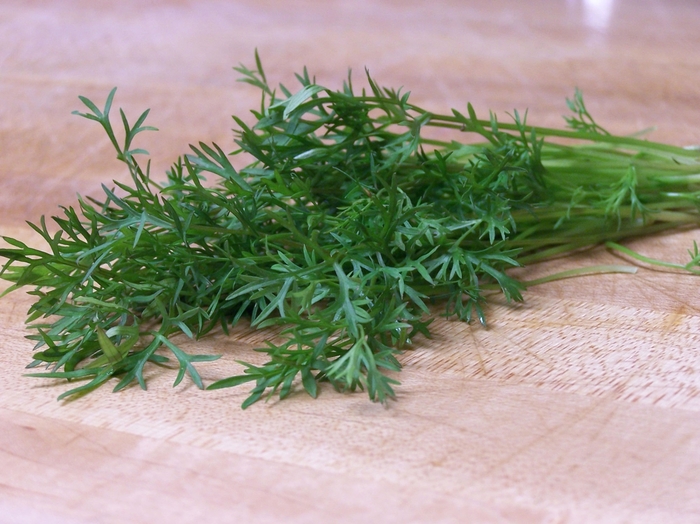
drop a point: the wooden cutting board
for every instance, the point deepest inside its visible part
(580, 405)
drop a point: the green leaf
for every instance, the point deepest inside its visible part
(292, 103)
(113, 353)
(309, 382)
(231, 382)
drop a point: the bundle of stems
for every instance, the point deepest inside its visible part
(347, 223)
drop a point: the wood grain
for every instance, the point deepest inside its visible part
(579, 406)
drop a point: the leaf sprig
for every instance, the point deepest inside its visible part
(348, 222)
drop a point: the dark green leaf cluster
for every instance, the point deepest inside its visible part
(346, 225)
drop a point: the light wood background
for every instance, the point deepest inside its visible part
(582, 405)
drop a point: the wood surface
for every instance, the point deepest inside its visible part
(581, 405)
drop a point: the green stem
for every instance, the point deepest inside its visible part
(648, 260)
(580, 272)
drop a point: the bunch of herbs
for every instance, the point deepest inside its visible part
(348, 222)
